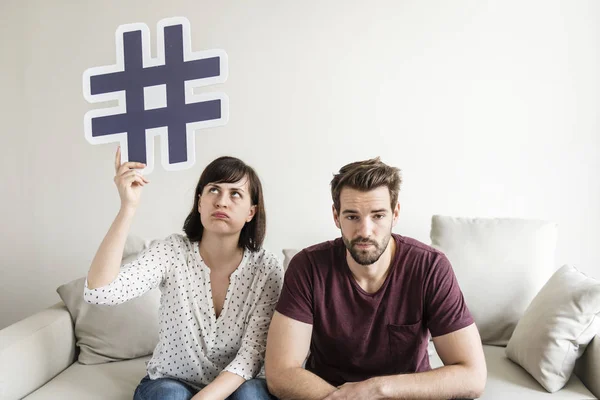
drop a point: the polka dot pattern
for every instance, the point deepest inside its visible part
(194, 345)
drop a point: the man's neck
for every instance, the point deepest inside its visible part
(371, 277)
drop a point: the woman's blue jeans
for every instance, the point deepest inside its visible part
(172, 389)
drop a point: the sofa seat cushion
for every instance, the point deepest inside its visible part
(114, 380)
(118, 380)
(507, 380)
(557, 327)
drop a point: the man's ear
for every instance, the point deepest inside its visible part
(396, 214)
(251, 214)
(336, 217)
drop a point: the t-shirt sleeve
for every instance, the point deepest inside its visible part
(445, 308)
(296, 300)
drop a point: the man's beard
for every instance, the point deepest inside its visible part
(366, 257)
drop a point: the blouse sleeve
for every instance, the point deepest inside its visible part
(250, 357)
(146, 272)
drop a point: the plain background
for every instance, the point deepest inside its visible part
(490, 108)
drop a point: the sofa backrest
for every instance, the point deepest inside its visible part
(35, 350)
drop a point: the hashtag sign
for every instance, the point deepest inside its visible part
(156, 96)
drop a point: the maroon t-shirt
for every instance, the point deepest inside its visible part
(358, 335)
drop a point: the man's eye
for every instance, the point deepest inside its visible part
(379, 216)
(352, 217)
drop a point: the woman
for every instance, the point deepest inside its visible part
(218, 286)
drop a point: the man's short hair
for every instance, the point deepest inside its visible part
(364, 176)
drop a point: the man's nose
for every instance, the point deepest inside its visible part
(365, 228)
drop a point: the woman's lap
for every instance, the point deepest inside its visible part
(172, 389)
(252, 389)
(163, 388)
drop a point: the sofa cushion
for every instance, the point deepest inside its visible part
(556, 328)
(116, 381)
(112, 333)
(500, 265)
(506, 380)
(288, 254)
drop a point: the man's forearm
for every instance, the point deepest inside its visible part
(298, 383)
(451, 381)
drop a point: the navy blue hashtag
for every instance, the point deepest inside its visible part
(173, 75)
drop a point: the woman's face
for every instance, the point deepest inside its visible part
(226, 207)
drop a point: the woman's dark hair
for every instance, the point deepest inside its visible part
(231, 170)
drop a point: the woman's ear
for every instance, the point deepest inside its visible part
(251, 213)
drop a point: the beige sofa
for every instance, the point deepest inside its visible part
(501, 265)
(37, 361)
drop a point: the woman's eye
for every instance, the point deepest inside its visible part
(213, 190)
(236, 194)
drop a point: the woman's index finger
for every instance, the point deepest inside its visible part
(118, 159)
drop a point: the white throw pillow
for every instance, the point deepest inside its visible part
(556, 328)
(288, 254)
(500, 265)
(113, 333)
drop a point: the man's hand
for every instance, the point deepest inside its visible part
(356, 391)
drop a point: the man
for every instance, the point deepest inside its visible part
(364, 304)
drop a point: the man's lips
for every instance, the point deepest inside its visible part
(220, 215)
(363, 245)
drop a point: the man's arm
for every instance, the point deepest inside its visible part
(287, 346)
(463, 375)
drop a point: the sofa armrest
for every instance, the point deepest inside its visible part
(588, 366)
(35, 350)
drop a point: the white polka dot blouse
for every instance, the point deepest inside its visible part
(194, 345)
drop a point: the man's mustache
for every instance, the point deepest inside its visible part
(363, 241)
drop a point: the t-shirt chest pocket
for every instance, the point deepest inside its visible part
(404, 345)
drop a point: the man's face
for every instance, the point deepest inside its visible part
(366, 220)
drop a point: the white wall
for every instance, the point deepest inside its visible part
(489, 108)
